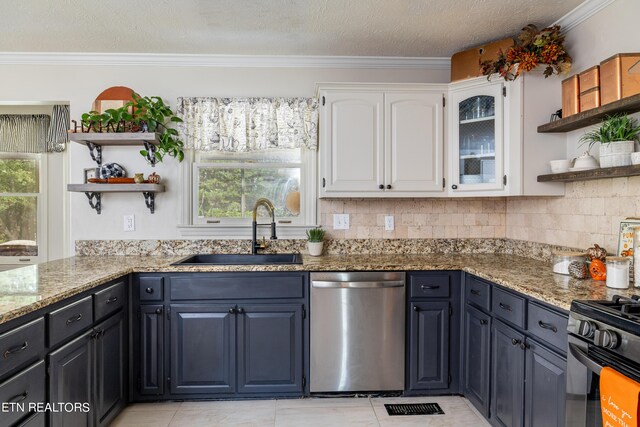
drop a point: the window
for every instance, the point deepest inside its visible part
(21, 208)
(227, 185)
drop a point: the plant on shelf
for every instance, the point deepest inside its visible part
(141, 114)
(532, 48)
(315, 242)
(617, 135)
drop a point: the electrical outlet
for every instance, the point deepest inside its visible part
(340, 221)
(389, 224)
(129, 223)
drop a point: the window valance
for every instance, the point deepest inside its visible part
(248, 124)
(35, 133)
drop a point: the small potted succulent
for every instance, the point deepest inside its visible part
(617, 135)
(315, 242)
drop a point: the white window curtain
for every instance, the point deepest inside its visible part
(248, 124)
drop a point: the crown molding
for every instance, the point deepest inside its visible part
(229, 61)
(581, 13)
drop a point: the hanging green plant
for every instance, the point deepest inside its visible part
(141, 114)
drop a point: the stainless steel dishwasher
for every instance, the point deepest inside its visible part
(357, 331)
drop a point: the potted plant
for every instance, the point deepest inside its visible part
(532, 48)
(617, 135)
(141, 114)
(315, 241)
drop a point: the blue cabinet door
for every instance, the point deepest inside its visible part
(270, 356)
(151, 350)
(429, 345)
(545, 387)
(110, 345)
(203, 348)
(477, 358)
(507, 373)
(71, 380)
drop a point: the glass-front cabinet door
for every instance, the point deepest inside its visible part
(476, 144)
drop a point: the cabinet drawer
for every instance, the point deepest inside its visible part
(108, 300)
(24, 388)
(478, 293)
(69, 320)
(548, 326)
(151, 288)
(236, 286)
(22, 345)
(429, 285)
(509, 307)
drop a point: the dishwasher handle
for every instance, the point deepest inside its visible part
(357, 284)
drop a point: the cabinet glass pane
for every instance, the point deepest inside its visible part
(477, 140)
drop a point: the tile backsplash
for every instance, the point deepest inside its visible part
(417, 218)
(590, 212)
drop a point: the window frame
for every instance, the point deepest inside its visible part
(41, 210)
(240, 228)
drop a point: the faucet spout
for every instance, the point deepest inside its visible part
(254, 225)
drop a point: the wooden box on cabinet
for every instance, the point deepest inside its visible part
(466, 64)
(619, 77)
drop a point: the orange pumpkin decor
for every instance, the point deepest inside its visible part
(598, 270)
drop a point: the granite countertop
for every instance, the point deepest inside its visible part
(27, 289)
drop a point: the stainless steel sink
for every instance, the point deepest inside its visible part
(240, 259)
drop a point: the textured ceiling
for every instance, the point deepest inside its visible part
(268, 27)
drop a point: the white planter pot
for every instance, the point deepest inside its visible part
(616, 154)
(315, 248)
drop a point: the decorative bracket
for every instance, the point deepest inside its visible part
(96, 152)
(151, 153)
(95, 200)
(150, 200)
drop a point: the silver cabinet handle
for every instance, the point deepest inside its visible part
(380, 284)
(74, 319)
(548, 326)
(429, 287)
(9, 352)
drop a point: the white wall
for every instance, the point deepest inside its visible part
(81, 84)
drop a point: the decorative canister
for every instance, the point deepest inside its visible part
(138, 178)
(618, 272)
(562, 260)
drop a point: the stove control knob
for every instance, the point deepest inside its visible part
(606, 339)
(587, 328)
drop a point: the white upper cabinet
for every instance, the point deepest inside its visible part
(413, 142)
(380, 141)
(351, 142)
(476, 144)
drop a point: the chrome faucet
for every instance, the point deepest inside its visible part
(254, 225)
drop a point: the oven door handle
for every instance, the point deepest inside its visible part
(582, 357)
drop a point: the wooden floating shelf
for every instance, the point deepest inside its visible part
(586, 175)
(94, 192)
(114, 138)
(96, 140)
(115, 188)
(591, 117)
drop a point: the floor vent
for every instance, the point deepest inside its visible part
(414, 409)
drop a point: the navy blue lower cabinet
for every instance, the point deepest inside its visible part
(429, 345)
(270, 357)
(71, 380)
(507, 375)
(111, 358)
(477, 358)
(545, 387)
(203, 348)
(150, 349)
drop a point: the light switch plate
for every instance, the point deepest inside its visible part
(129, 223)
(389, 223)
(340, 221)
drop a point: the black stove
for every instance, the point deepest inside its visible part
(609, 324)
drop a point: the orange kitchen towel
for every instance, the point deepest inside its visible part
(619, 399)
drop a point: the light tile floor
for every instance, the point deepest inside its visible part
(321, 412)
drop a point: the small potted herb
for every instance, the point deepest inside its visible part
(617, 135)
(316, 241)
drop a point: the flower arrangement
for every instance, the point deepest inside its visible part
(531, 48)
